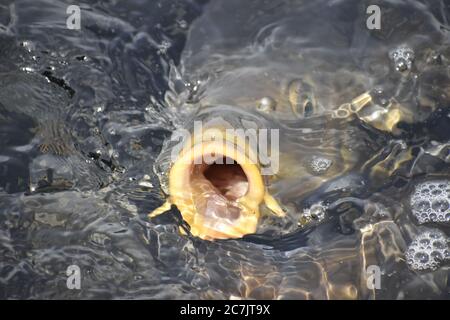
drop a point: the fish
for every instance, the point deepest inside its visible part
(219, 198)
(225, 199)
(254, 75)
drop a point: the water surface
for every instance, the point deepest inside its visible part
(84, 116)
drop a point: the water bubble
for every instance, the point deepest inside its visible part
(183, 24)
(423, 205)
(403, 58)
(163, 47)
(317, 212)
(440, 205)
(30, 70)
(430, 202)
(319, 165)
(314, 213)
(439, 245)
(436, 256)
(435, 235)
(267, 104)
(436, 192)
(421, 256)
(379, 97)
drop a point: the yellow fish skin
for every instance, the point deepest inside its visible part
(220, 200)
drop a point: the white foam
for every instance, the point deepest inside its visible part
(428, 251)
(403, 58)
(319, 165)
(430, 202)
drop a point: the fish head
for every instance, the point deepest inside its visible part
(216, 178)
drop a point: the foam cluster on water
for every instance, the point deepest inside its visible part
(319, 165)
(430, 202)
(428, 251)
(402, 57)
(315, 213)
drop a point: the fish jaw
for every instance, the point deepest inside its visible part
(218, 201)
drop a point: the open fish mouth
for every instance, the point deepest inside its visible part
(218, 186)
(221, 186)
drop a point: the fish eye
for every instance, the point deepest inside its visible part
(301, 98)
(308, 108)
(305, 106)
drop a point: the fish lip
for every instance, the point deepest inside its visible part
(181, 194)
(188, 199)
(181, 170)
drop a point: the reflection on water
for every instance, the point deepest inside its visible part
(84, 116)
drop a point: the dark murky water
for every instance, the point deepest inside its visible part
(84, 115)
